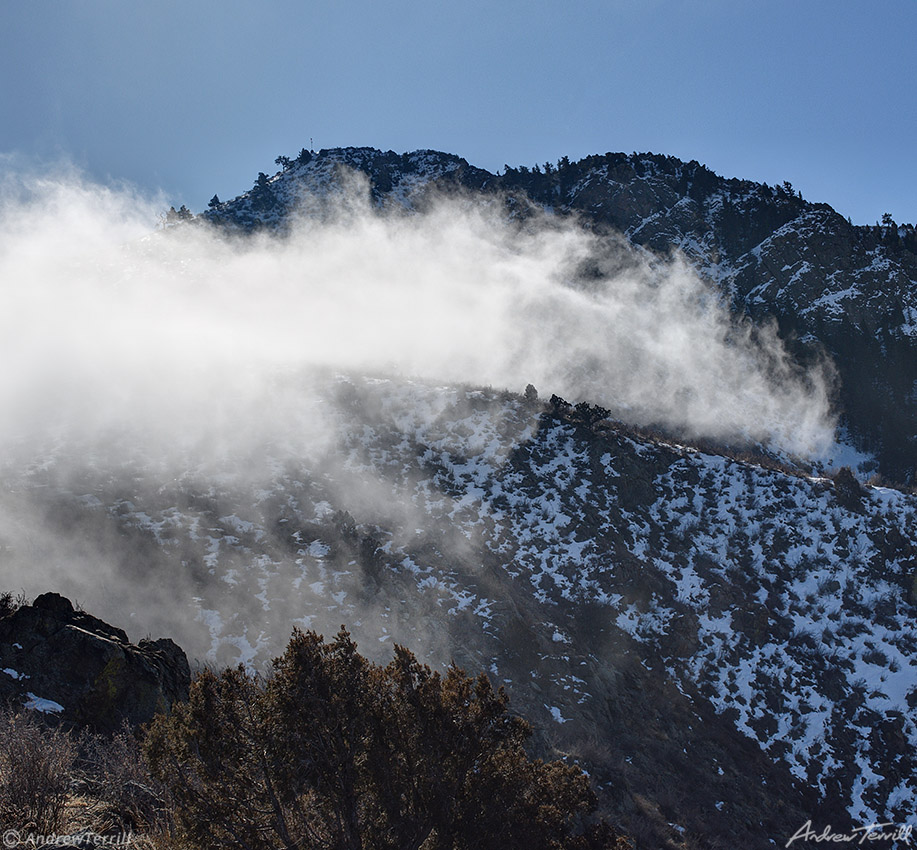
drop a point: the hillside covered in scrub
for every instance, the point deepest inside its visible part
(327, 751)
(657, 611)
(613, 433)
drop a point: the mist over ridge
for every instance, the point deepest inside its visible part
(105, 322)
(219, 437)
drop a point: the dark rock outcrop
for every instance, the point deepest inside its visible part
(66, 662)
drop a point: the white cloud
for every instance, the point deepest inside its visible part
(103, 321)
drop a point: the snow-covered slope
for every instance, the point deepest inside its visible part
(571, 560)
(727, 642)
(303, 183)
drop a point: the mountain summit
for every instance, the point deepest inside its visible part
(831, 287)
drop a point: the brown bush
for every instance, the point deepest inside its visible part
(332, 752)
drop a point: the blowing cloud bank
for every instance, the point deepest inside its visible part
(162, 378)
(105, 322)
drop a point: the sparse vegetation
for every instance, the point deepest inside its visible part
(55, 781)
(175, 217)
(119, 792)
(11, 602)
(36, 765)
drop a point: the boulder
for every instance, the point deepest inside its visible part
(61, 661)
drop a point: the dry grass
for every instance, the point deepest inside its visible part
(56, 782)
(36, 768)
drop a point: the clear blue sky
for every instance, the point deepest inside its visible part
(195, 97)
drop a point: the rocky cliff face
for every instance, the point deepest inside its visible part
(832, 286)
(60, 661)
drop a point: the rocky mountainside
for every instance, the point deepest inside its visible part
(728, 648)
(831, 286)
(723, 637)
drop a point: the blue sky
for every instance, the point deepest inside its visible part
(195, 97)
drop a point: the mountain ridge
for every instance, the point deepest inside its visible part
(850, 291)
(722, 637)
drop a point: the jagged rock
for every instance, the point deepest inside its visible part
(67, 662)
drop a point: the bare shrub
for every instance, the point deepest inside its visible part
(11, 602)
(36, 769)
(116, 779)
